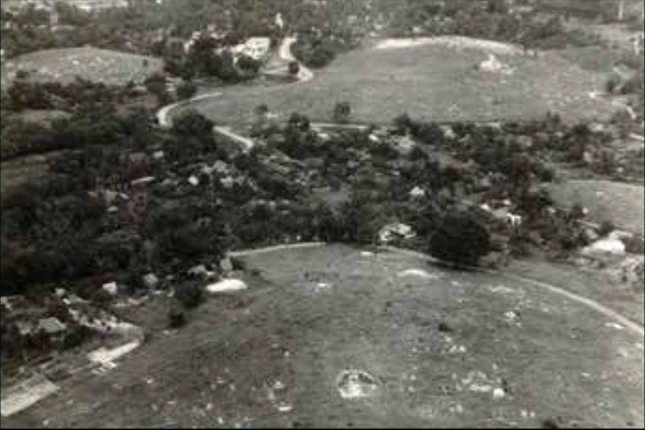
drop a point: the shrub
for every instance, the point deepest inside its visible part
(249, 65)
(190, 295)
(77, 337)
(606, 228)
(403, 123)
(186, 90)
(430, 134)
(342, 112)
(314, 53)
(192, 124)
(606, 163)
(176, 319)
(613, 84)
(418, 154)
(635, 245)
(102, 298)
(460, 240)
(294, 68)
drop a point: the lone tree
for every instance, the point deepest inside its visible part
(190, 295)
(249, 65)
(294, 68)
(156, 85)
(460, 240)
(193, 124)
(342, 112)
(186, 90)
(261, 112)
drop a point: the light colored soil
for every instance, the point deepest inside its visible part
(273, 355)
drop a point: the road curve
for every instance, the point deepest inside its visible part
(585, 301)
(286, 54)
(304, 75)
(163, 116)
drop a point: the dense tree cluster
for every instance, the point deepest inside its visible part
(208, 57)
(460, 240)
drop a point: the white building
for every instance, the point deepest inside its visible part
(255, 47)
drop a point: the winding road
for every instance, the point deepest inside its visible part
(585, 301)
(305, 74)
(164, 115)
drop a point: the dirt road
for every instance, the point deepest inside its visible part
(339, 337)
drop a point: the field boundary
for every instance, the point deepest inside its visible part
(637, 328)
(585, 301)
(305, 75)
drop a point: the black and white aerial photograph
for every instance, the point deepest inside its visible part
(322, 214)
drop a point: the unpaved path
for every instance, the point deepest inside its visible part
(305, 74)
(329, 336)
(164, 115)
(590, 303)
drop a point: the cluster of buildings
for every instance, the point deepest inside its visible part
(255, 47)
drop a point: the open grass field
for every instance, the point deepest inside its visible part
(424, 347)
(64, 65)
(623, 204)
(592, 58)
(430, 81)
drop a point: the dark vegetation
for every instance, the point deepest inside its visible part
(141, 28)
(208, 57)
(90, 219)
(460, 239)
(321, 38)
(124, 198)
(323, 32)
(94, 117)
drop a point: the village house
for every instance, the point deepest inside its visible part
(255, 47)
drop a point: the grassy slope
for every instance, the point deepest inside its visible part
(618, 297)
(433, 82)
(622, 204)
(63, 65)
(561, 362)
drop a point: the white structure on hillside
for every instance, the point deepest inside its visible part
(396, 231)
(493, 65)
(279, 21)
(639, 43)
(255, 47)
